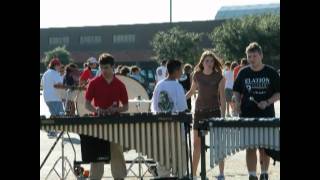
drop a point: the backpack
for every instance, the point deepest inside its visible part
(275, 155)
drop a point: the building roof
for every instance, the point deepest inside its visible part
(227, 12)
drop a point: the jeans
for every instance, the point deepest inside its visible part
(55, 107)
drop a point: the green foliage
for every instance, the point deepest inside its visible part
(60, 52)
(232, 37)
(177, 44)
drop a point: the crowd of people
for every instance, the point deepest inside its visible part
(223, 90)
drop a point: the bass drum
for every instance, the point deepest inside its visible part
(135, 90)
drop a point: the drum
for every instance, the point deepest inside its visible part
(138, 97)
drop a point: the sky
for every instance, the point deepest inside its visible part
(75, 13)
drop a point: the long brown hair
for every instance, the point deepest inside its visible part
(217, 64)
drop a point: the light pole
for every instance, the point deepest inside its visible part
(170, 11)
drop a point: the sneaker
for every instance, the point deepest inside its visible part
(264, 176)
(52, 134)
(220, 177)
(253, 177)
(153, 170)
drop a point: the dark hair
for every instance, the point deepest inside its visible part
(124, 70)
(228, 63)
(163, 63)
(187, 68)
(70, 67)
(244, 61)
(134, 69)
(234, 64)
(106, 58)
(254, 47)
(173, 65)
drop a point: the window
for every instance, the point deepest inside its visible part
(124, 38)
(90, 40)
(59, 40)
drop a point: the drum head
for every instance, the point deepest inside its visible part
(134, 89)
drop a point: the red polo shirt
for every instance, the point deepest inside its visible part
(104, 94)
(86, 75)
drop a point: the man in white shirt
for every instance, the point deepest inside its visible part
(169, 96)
(161, 72)
(51, 80)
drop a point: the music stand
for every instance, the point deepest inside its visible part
(62, 158)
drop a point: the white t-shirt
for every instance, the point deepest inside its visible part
(161, 73)
(229, 79)
(49, 78)
(168, 96)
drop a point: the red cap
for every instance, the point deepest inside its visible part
(55, 61)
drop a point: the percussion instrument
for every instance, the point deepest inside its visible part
(162, 137)
(231, 135)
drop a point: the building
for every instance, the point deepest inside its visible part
(129, 44)
(227, 12)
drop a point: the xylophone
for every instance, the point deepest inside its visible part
(162, 137)
(231, 135)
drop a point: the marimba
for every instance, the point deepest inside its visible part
(162, 137)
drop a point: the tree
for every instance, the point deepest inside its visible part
(177, 44)
(60, 52)
(232, 37)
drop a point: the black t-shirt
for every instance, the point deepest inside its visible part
(185, 82)
(260, 85)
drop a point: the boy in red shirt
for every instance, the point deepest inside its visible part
(103, 97)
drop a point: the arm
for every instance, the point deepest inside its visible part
(181, 100)
(275, 85)
(83, 83)
(154, 100)
(263, 104)
(222, 97)
(58, 82)
(89, 107)
(275, 97)
(123, 100)
(89, 95)
(59, 86)
(192, 90)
